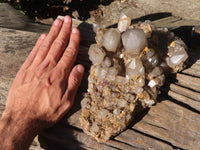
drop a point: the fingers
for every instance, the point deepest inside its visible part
(74, 81)
(61, 41)
(75, 78)
(33, 53)
(46, 45)
(69, 56)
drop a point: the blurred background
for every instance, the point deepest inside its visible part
(42, 9)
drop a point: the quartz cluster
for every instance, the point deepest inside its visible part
(128, 68)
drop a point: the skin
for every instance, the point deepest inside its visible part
(44, 88)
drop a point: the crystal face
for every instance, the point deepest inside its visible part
(128, 68)
(111, 40)
(134, 40)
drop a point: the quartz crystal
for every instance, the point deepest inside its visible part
(111, 40)
(124, 22)
(129, 64)
(134, 40)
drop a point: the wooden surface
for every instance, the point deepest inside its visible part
(173, 123)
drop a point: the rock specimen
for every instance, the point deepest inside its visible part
(129, 65)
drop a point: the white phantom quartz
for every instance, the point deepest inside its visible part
(96, 54)
(134, 41)
(177, 54)
(111, 40)
(124, 22)
(128, 68)
(135, 67)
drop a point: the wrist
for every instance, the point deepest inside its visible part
(16, 131)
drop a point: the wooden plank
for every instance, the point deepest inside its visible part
(141, 141)
(165, 22)
(192, 72)
(15, 46)
(192, 103)
(71, 138)
(172, 123)
(198, 62)
(2, 107)
(173, 22)
(188, 81)
(178, 23)
(195, 96)
(14, 19)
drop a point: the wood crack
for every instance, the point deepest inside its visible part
(159, 139)
(124, 143)
(155, 125)
(182, 104)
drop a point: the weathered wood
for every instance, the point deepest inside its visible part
(192, 103)
(15, 46)
(188, 81)
(139, 140)
(1, 108)
(72, 138)
(172, 22)
(13, 19)
(172, 123)
(195, 96)
(194, 70)
(165, 22)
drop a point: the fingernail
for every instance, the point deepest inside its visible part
(57, 22)
(43, 36)
(75, 30)
(67, 19)
(80, 68)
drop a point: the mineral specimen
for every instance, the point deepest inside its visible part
(129, 65)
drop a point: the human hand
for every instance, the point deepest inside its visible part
(45, 86)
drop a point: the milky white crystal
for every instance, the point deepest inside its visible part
(124, 22)
(111, 40)
(96, 54)
(134, 40)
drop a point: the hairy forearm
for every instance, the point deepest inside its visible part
(17, 132)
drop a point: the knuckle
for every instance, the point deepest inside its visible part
(59, 72)
(75, 81)
(70, 53)
(51, 61)
(59, 42)
(45, 45)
